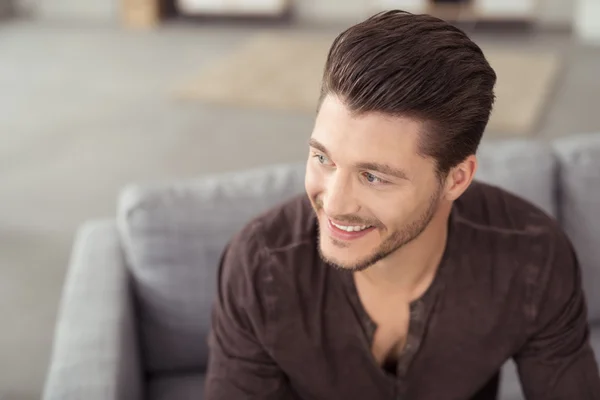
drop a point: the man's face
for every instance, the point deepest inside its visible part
(371, 191)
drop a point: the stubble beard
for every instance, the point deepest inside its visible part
(390, 245)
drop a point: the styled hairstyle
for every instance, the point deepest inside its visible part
(416, 66)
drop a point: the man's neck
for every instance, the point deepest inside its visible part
(409, 271)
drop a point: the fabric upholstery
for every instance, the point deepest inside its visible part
(510, 386)
(95, 353)
(526, 168)
(173, 236)
(176, 387)
(579, 200)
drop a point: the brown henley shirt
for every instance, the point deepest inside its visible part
(285, 325)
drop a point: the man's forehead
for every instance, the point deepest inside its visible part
(372, 142)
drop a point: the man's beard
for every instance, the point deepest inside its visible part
(393, 242)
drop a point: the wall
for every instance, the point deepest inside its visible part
(587, 20)
(6, 8)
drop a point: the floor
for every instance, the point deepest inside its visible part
(86, 110)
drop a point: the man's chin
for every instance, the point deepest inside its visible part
(351, 255)
(345, 258)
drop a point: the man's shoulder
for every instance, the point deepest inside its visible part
(254, 279)
(283, 225)
(492, 209)
(515, 242)
(288, 228)
(511, 234)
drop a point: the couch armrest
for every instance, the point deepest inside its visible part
(95, 353)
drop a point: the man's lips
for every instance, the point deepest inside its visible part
(341, 234)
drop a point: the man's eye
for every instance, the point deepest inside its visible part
(321, 158)
(372, 178)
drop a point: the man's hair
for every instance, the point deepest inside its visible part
(417, 66)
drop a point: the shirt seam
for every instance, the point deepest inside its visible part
(496, 229)
(265, 293)
(540, 289)
(534, 289)
(268, 295)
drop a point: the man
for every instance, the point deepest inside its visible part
(397, 276)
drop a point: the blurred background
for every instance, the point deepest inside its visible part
(97, 94)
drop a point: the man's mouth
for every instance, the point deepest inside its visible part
(351, 228)
(347, 232)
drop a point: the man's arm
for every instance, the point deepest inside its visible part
(239, 366)
(557, 362)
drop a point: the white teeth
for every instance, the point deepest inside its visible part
(350, 228)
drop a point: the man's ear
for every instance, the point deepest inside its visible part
(460, 177)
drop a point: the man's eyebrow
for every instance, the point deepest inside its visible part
(315, 143)
(371, 166)
(384, 169)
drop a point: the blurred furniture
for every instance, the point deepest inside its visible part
(294, 61)
(149, 13)
(143, 14)
(233, 7)
(134, 314)
(468, 10)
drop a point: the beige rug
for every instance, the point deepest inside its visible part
(283, 71)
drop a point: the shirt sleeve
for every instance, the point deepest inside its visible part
(557, 361)
(239, 365)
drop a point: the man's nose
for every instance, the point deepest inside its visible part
(339, 198)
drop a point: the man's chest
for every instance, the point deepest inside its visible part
(342, 350)
(391, 322)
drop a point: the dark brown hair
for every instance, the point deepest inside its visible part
(416, 66)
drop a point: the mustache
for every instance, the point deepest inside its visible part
(348, 219)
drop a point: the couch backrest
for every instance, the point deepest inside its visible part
(174, 234)
(524, 167)
(579, 208)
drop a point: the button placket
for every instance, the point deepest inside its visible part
(401, 389)
(416, 326)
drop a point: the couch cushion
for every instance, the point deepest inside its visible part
(526, 168)
(510, 385)
(173, 236)
(579, 202)
(176, 387)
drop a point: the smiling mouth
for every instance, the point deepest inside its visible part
(351, 228)
(347, 232)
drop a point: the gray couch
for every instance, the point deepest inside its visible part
(135, 311)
